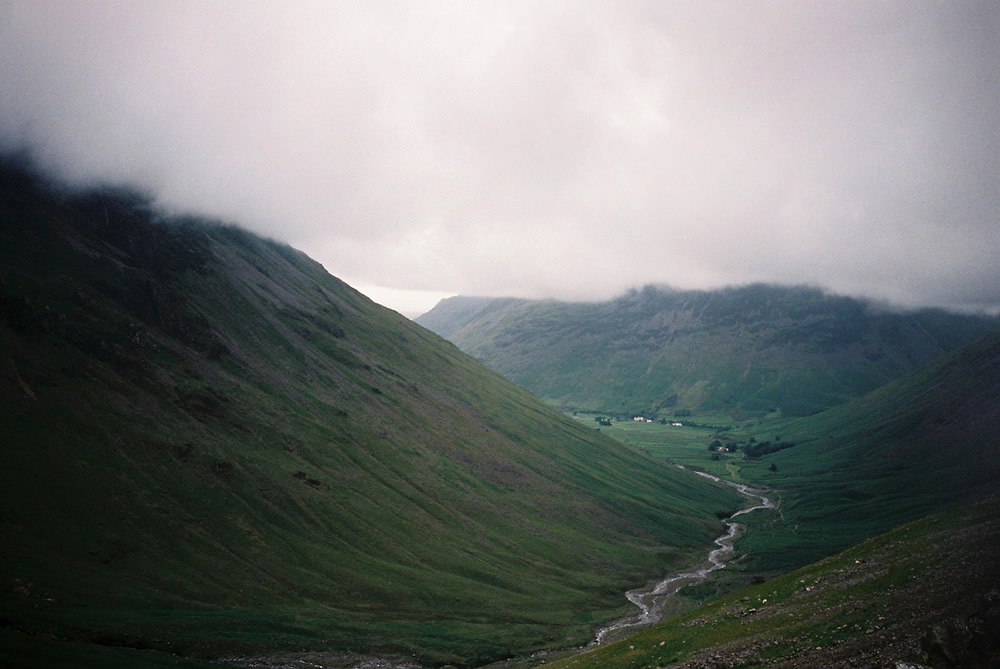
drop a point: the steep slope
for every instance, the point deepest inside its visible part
(745, 350)
(213, 446)
(923, 593)
(922, 442)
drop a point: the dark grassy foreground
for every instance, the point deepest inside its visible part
(213, 447)
(924, 592)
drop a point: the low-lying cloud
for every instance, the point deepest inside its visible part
(561, 149)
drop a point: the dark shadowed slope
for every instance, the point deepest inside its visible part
(211, 445)
(658, 352)
(925, 441)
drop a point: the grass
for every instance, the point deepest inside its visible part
(213, 446)
(873, 602)
(32, 652)
(918, 444)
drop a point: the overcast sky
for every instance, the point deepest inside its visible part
(542, 149)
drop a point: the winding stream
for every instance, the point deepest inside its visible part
(651, 599)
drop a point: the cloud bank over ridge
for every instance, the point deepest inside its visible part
(556, 149)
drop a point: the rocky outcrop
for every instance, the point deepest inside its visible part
(971, 641)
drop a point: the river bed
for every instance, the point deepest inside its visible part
(651, 599)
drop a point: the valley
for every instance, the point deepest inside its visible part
(654, 599)
(217, 452)
(215, 448)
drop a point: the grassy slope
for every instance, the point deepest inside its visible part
(899, 452)
(211, 445)
(923, 442)
(740, 350)
(871, 605)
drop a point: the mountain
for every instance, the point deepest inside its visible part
(212, 447)
(744, 351)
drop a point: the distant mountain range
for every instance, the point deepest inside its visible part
(213, 447)
(744, 351)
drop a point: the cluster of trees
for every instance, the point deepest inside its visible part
(757, 449)
(751, 448)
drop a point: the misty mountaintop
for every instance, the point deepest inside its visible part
(745, 350)
(213, 446)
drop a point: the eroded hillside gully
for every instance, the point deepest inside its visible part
(652, 599)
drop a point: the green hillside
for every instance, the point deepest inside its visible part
(923, 593)
(922, 442)
(744, 351)
(213, 447)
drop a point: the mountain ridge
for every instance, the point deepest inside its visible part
(745, 350)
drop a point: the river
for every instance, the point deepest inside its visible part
(651, 599)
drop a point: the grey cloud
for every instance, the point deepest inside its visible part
(566, 149)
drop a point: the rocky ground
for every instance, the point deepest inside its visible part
(945, 616)
(329, 660)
